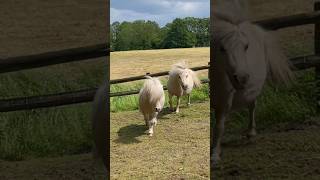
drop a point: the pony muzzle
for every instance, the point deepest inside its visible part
(157, 109)
(240, 81)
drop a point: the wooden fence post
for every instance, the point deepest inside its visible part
(317, 52)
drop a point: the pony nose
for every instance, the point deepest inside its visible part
(241, 79)
(157, 109)
(184, 87)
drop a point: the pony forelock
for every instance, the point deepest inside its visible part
(152, 89)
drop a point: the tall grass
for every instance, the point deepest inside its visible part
(48, 131)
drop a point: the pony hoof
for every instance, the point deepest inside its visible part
(188, 104)
(151, 134)
(177, 111)
(252, 134)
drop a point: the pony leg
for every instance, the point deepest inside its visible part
(146, 118)
(252, 122)
(170, 102)
(178, 104)
(188, 100)
(217, 135)
(152, 123)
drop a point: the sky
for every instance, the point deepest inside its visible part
(161, 11)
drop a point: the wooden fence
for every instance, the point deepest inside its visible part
(101, 50)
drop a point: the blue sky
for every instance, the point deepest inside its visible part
(161, 11)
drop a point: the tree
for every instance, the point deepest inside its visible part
(200, 28)
(178, 35)
(114, 33)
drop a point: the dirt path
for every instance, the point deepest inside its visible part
(285, 152)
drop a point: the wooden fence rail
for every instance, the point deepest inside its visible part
(59, 99)
(126, 93)
(52, 58)
(135, 78)
(290, 21)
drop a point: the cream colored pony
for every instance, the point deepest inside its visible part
(151, 101)
(244, 54)
(181, 82)
(101, 129)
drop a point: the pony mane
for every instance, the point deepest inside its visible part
(180, 65)
(152, 88)
(177, 68)
(196, 80)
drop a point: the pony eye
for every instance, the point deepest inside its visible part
(246, 47)
(222, 49)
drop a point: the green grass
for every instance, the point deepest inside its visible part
(129, 103)
(49, 131)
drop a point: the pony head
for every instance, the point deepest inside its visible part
(231, 41)
(184, 79)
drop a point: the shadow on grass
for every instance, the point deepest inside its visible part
(128, 134)
(165, 111)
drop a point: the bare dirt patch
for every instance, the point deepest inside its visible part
(288, 151)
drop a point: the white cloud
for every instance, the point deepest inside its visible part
(161, 11)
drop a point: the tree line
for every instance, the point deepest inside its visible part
(141, 34)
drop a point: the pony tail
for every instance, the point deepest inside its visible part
(196, 80)
(279, 68)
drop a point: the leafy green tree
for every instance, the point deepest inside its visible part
(178, 35)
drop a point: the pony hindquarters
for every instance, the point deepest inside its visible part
(100, 126)
(151, 102)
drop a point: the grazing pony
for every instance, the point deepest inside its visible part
(244, 56)
(181, 82)
(151, 101)
(101, 132)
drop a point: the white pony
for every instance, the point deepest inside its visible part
(181, 82)
(244, 54)
(101, 129)
(151, 101)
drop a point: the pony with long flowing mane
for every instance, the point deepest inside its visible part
(245, 56)
(181, 82)
(151, 102)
